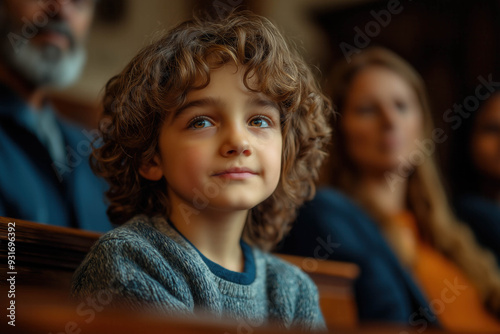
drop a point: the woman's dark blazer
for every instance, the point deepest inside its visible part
(332, 226)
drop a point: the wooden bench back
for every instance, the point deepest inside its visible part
(45, 255)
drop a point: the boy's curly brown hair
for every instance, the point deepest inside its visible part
(155, 83)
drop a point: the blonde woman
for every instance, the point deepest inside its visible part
(419, 265)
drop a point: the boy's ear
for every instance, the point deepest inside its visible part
(152, 170)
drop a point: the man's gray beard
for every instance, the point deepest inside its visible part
(46, 66)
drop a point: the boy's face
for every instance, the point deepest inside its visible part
(222, 150)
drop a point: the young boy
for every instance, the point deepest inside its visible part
(213, 137)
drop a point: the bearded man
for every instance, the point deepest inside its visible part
(44, 170)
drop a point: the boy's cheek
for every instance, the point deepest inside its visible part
(272, 163)
(184, 163)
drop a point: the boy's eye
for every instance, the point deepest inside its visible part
(259, 122)
(200, 123)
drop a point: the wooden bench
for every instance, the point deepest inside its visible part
(335, 282)
(46, 314)
(46, 257)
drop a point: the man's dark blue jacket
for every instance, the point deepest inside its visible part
(33, 188)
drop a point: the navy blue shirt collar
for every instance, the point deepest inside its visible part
(245, 278)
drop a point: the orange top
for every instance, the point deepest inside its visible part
(452, 296)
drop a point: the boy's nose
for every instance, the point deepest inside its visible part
(235, 143)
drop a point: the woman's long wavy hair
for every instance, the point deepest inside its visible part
(425, 195)
(155, 84)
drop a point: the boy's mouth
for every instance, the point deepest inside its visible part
(236, 173)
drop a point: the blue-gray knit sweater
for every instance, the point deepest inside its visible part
(148, 263)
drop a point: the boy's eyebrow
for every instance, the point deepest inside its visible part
(207, 101)
(210, 101)
(262, 102)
